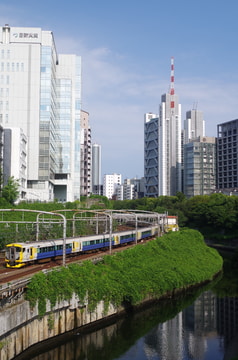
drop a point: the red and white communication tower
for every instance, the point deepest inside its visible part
(172, 86)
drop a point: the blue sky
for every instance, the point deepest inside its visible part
(126, 47)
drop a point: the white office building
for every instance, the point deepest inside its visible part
(15, 158)
(169, 149)
(200, 166)
(40, 92)
(163, 158)
(128, 190)
(162, 149)
(194, 125)
(110, 184)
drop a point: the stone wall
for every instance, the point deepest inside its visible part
(21, 327)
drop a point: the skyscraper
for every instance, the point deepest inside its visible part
(96, 170)
(200, 166)
(194, 125)
(163, 146)
(227, 156)
(151, 173)
(40, 92)
(86, 155)
(169, 146)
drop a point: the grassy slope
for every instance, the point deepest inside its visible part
(174, 261)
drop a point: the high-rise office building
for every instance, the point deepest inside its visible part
(40, 92)
(128, 190)
(15, 158)
(1, 156)
(86, 154)
(169, 149)
(227, 156)
(194, 125)
(96, 170)
(163, 146)
(151, 173)
(200, 166)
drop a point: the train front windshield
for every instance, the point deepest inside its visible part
(13, 252)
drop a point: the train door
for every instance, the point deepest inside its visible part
(13, 254)
(26, 254)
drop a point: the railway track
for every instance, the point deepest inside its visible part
(8, 275)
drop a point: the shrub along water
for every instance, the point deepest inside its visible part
(173, 261)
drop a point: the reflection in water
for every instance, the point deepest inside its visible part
(200, 332)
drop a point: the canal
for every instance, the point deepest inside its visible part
(203, 325)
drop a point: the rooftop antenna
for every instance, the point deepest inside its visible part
(172, 85)
(195, 105)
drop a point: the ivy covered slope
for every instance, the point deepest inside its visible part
(176, 260)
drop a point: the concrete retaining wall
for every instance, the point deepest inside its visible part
(21, 327)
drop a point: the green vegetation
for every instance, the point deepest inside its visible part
(215, 216)
(174, 261)
(20, 224)
(10, 191)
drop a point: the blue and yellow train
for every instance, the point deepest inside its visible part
(20, 254)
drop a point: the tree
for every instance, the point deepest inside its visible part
(11, 190)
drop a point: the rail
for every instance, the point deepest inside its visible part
(13, 288)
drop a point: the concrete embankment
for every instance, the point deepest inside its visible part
(161, 267)
(21, 327)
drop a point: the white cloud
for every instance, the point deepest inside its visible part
(215, 98)
(117, 97)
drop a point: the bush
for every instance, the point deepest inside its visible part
(176, 260)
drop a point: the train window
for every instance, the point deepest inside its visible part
(23, 249)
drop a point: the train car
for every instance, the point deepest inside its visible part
(95, 243)
(20, 254)
(126, 237)
(172, 224)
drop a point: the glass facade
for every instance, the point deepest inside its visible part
(151, 157)
(77, 129)
(64, 108)
(40, 92)
(200, 167)
(48, 115)
(227, 148)
(68, 136)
